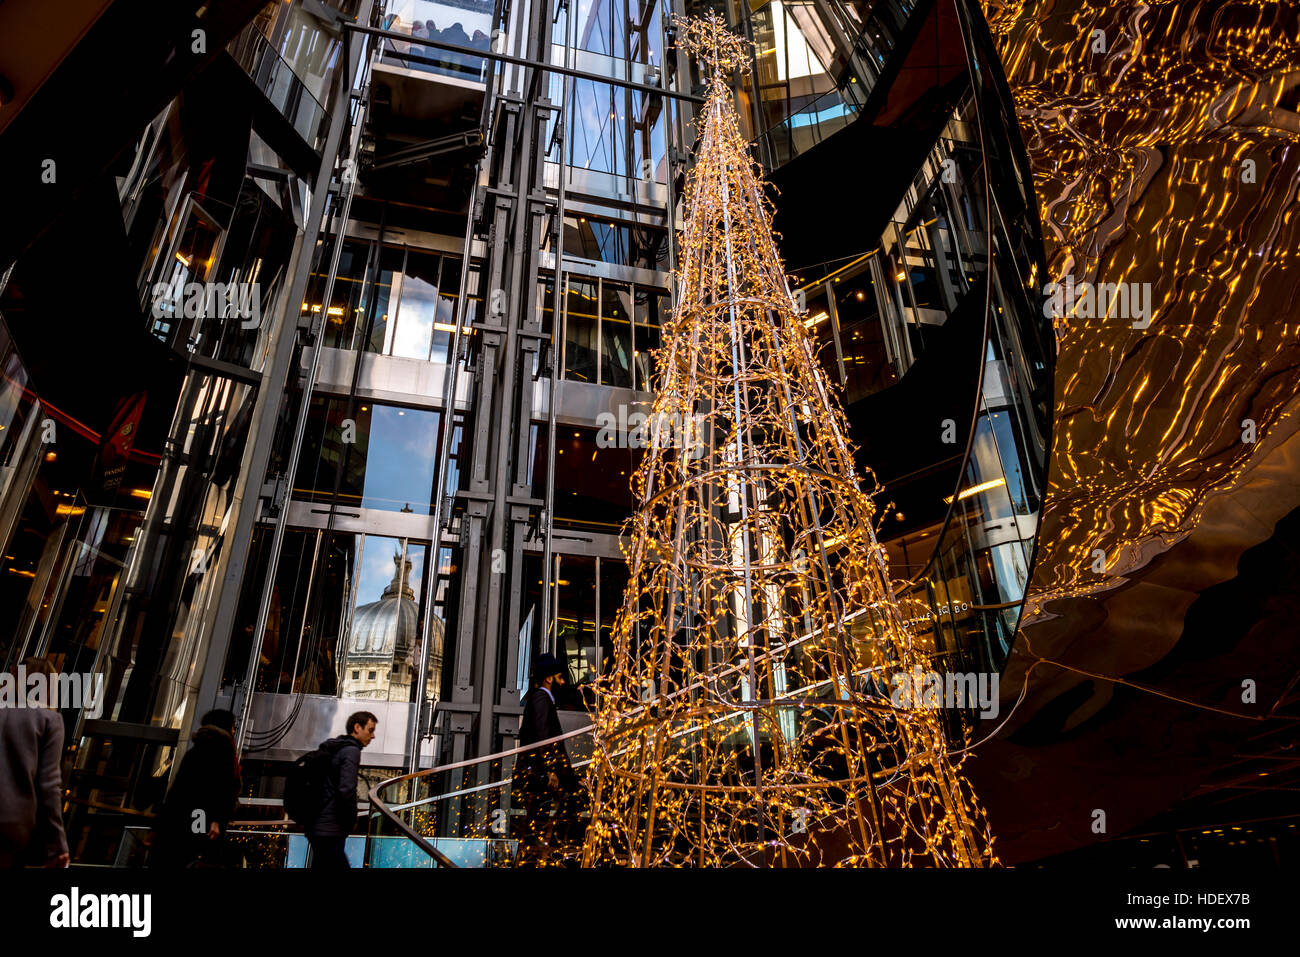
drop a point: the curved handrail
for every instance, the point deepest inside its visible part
(380, 805)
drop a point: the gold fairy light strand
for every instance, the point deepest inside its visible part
(747, 720)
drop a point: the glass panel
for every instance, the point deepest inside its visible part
(415, 315)
(400, 459)
(326, 618)
(390, 267)
(381, 456)
(616, 335)
(444, 322)
(602, 26)
(310, 51)
(328, 457)
(575, 616)
(346, 308)
(613, 583)
(281, 641)
(15, 406)
(380, 658)
(652, 312)
(466, 23)
(592, 484)
(600, 134)
(191, 263)
(580, 331)
(626, 244)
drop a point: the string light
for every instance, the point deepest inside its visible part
(747, 719)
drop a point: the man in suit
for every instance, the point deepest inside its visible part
(543, 776)
(31, 782)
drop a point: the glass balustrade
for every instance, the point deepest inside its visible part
(463, 23)
(470, 814)
(276, 78)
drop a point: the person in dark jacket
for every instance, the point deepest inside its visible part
(31, 782)
(543, 776)
(328, 834)
(192, 825)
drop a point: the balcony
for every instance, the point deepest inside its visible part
(275, 77)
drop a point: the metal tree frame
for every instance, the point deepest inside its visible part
(747, 720)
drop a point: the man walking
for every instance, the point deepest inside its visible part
(543, 776)
(203, 798)
(31, 782)
(337, 817)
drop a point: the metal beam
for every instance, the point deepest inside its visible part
(520, 61)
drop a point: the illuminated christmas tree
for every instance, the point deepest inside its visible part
(747, 719)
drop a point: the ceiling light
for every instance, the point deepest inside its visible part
(976, 489)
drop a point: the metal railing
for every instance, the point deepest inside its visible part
(275, 77)
(455, 815)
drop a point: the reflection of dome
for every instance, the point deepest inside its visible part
(389, 626)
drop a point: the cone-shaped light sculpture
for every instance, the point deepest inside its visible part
(747, 719)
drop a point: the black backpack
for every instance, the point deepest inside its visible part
(304, 788)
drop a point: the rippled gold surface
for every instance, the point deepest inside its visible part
(1138, 159)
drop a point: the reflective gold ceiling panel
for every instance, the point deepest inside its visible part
(1164, 143)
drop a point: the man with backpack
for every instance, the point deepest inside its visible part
(321, 793)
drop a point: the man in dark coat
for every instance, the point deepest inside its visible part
(543, 776)
(192, 825)
(31, 782)
(328, 834)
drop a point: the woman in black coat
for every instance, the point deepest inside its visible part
(192, 825)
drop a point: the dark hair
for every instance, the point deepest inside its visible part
(35, 666)
(360, 718)
(220, 718)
